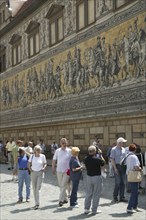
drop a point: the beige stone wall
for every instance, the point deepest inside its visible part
(82, 133)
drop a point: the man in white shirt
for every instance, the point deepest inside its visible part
(62, 157)
(9, 148)
(29, 149)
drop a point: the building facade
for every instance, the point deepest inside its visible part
(74, 69)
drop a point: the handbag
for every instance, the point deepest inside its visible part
(68, 172)
(134, 176)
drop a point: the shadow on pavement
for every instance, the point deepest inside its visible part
(107, 192)
(120, 215)
(80, 216)
(62, 209)
(20, 210)
(9, 204)
(48, 207)
(107, 204)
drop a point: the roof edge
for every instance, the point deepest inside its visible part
(34, 6)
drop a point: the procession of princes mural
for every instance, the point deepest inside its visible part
(96, 67)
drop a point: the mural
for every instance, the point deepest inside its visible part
(114, 58)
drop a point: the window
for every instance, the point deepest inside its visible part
(120, 3)
(16, 49)
(34, 43)
(33, 38)
(55, 16)
(85, 13)
(2, 58)
(16, 54)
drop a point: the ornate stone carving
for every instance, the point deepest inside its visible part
(103, 7)
(68, 21)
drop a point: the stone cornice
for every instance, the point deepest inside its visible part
(80, 37)
(126, 100)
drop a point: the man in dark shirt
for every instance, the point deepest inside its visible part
(94, 180)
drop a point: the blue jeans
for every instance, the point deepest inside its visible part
(23, 176)
(73, 197)
(133, 201)
(119, 188)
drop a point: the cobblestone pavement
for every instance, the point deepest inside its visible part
(49, 202)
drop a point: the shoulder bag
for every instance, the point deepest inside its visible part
(134, 176)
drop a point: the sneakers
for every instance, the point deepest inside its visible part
(27, 200)
(36, 207)
(75, 206)
(19, 201)
(138, 210)
(65, 201)
(115, 200)
(131, 211)
(86, 211)
(98, 212)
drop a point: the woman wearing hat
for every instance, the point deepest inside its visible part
(75, 175)
(23, 174)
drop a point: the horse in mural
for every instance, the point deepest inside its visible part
(99, 66)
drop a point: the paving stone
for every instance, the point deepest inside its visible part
(49, 209)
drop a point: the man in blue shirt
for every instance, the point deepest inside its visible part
(23, 175)
(117, 154)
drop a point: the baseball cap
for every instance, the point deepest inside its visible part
(19, 141)
(121, 139)
(22, 148)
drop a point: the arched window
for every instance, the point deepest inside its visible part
(16, 49)
(33, 38)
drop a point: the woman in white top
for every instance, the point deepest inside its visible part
(132, 163)
(37, 165)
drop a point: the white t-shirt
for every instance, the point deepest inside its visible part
(63, 158)
(37, 162)
(131, 161)
(29, 149)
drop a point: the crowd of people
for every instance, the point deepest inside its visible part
(28, 163)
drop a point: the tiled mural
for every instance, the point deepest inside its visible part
(113, 58)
